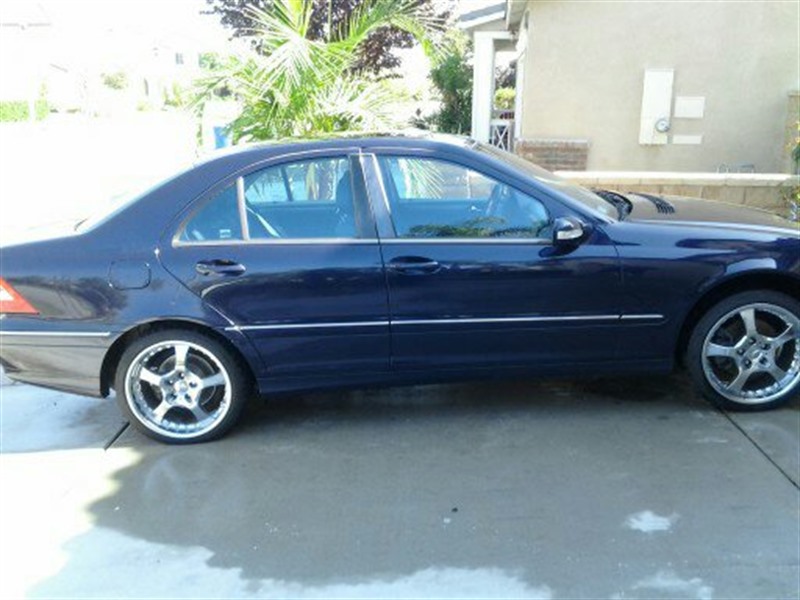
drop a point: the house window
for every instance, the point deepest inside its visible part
(179, 58)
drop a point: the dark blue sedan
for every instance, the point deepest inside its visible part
(392, 260)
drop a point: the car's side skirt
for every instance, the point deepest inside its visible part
(275, 385)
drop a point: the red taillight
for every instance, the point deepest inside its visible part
(12, 302)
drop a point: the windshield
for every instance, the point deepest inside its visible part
(575, 192)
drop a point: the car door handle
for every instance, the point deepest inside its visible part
(219, 266)
(414, 264)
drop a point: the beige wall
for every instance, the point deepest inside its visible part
(584, 72)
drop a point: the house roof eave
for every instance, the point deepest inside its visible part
(514, 10)
(487, 14)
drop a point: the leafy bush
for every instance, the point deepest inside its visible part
(504, 98)
(791, 197)
(176, 96)
(452, 77)
(115, 81)
(15, 110)
(210, 61)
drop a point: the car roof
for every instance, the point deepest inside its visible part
(403, 138)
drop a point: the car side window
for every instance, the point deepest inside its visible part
(216, 220)
(305, 199)
(432, 198)
(309, 199)
(306, 181)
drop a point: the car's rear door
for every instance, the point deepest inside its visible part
(288, 252)
(474, 278)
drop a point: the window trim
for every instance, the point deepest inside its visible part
(275, 241)
(242, 208)
(537, 241)
(285, 179)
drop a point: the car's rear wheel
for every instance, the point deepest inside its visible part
(180, 386)
(744, 353)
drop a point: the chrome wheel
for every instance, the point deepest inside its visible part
(178, 389)
(751, 355)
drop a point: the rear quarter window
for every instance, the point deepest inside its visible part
(217, 219)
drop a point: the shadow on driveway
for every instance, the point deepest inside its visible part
(633, 488)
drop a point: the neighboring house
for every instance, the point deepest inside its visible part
(69, 57)
(24, 31)
(642, 86)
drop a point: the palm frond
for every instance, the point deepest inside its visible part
(297, 86)
(402, 14)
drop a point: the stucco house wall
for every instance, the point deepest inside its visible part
(584, 72)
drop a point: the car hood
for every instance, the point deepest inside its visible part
(689, 211)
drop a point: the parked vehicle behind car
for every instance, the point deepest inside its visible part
(395, 260)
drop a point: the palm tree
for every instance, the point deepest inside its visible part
(295, 86)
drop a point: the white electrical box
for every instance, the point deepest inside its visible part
(687, 140)
(656, 106)
(690, 107)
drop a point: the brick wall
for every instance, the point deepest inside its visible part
(554, 154)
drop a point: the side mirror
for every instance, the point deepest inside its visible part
(567, 231)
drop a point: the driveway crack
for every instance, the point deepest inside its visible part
(116, 436)
(758, 447)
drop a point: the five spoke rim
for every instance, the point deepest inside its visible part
(752, 354)
(178, 388)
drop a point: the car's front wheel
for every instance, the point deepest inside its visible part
(744, 353)
(180, 386)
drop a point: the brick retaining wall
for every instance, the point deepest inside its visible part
(554, 154)
(759, 190)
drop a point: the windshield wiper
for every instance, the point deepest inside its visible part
(620, 202)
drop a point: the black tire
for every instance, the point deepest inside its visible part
(180, 387)
(748, 379)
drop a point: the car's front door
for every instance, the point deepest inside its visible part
(288, 253)
(474, 278)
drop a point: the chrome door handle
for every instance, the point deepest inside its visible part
(414, 264)
(219, 266)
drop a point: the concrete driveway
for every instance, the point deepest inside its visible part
(593, 489)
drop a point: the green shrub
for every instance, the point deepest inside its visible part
(175, 96)
(791, 199)
(42, 109)
(13, 111)
(504, 98)
(17, 110)
(115, 81)
(452, 77)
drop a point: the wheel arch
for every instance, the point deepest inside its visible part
(741, 282)
(114, 353)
